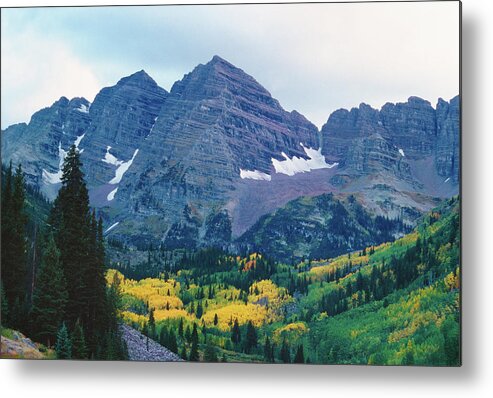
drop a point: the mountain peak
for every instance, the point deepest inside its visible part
(137, 78)
(216, 59)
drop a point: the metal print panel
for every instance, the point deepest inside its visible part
(232, 183)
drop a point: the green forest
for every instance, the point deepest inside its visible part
(397, 303)
(53, 269)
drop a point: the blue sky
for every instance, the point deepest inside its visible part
(312, 58)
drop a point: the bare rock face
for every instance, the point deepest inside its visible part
(411, 126)
(396, 138)
(122, 117)
(201, 164)
(447, 157)
(39, 145)
(216, 121)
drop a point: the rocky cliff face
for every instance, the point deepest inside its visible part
(365, 140)
(217, 123)
(107, 133)
(42, 144)
(122, 117)
(447, 156)
(201, 164)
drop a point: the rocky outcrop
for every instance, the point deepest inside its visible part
(122, 116)
(20, 347)
(141, 348)
(40, 145)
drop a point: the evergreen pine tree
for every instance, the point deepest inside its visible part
(50, 296)
(152, 324)
(251, 337)
(13, 247)
(172, 344)
(210, 353)
(63, 346)
(164, 337)
(180, 328)
(79, 238)
(71, 221)
(285, 352)
(188, 334)
(4, 311)
(267, 350)
(235, 332)
(199, 310)
(194, 350)
(79, 348)
(299, 357)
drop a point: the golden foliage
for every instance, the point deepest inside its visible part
(452, 280)
(268, 294)
(130, 317)
(243, 312)
(292, 332)
(161, 315)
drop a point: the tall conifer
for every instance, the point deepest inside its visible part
(50, 296)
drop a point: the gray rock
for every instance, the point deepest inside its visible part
(139, 349)
(171, 168)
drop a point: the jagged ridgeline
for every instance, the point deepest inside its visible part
(208, 162)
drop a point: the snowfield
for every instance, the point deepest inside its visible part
(295, 165)
(112, 194)
(122, 168)
(254, 175)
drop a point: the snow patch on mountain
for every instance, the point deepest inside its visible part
(122, 168)
(111, 159)
(55, 178)
(77, 142)
(112, 194)
(83, 108)
(254, 175)
(113, 226)
(295, 165)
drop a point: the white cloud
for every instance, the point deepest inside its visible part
(314, 58)
(37, 71)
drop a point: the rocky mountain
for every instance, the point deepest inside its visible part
(41, 145)
(107, 133)
(397, 139)
(217, 127)
(202, 164)
(323, 226)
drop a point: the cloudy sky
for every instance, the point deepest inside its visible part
(314, 58)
